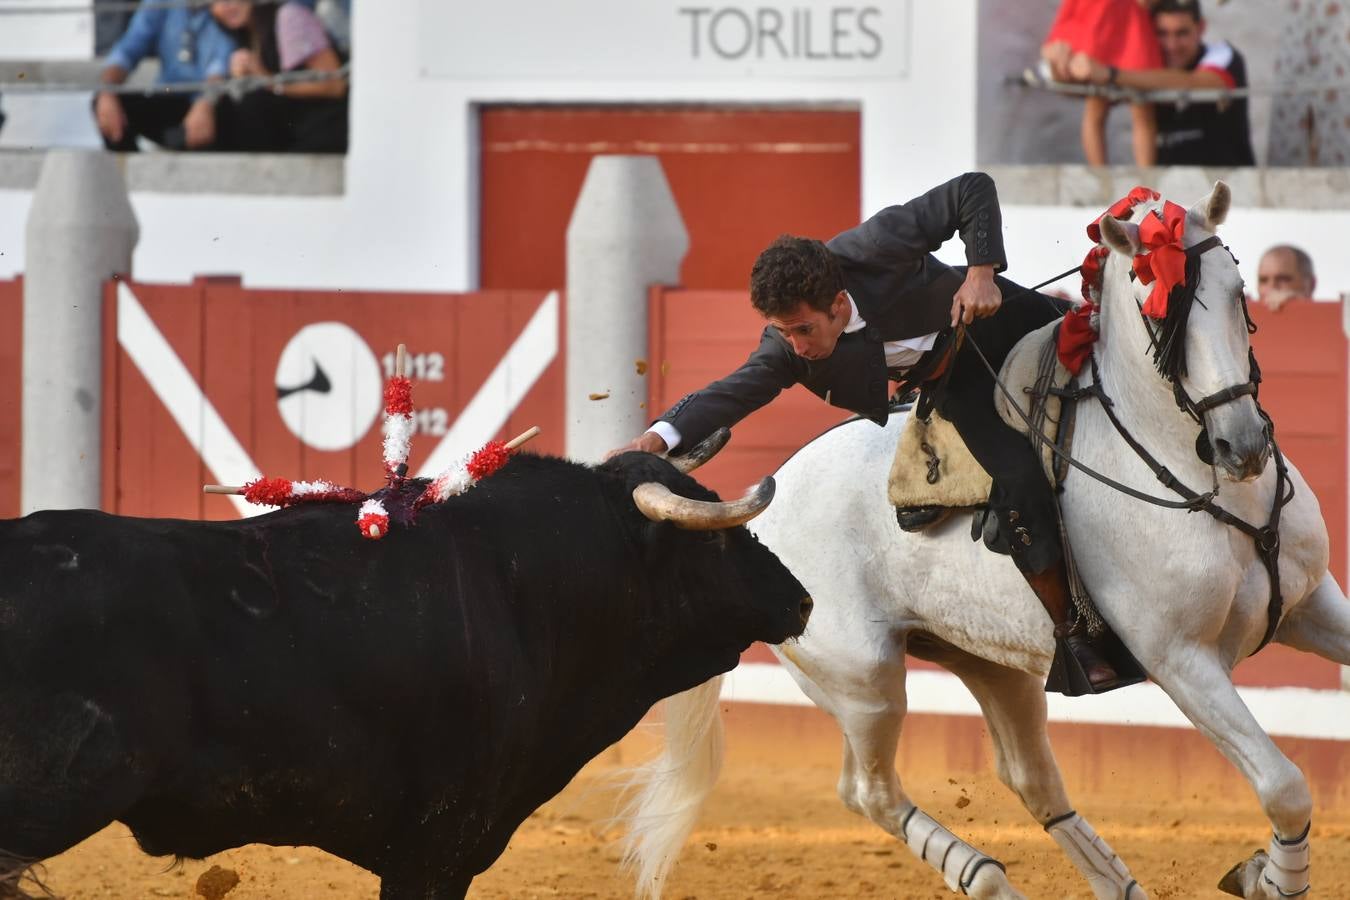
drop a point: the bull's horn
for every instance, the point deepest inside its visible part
(659, 504)
(706, 450)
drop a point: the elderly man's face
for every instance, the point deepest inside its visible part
(1278, 278)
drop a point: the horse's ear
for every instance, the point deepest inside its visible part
(1121, 237)
(1211, 211)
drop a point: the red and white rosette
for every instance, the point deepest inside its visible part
(398, 427)
(373, 517)
(465, 474)
(284, 492)
(373, 520)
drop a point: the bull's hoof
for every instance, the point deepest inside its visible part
(1242, 878)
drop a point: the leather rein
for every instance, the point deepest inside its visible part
(1266, 539)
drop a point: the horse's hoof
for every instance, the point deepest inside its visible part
(1243, 875)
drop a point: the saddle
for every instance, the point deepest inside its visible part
(934, 474)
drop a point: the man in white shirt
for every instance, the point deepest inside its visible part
(875, 305)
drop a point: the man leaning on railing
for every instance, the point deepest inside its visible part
(1195, 133)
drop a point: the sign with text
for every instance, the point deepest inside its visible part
(588, 39)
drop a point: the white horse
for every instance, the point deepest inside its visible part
(1188, 595)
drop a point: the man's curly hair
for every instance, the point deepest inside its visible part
(793, 270)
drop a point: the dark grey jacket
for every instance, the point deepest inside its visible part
(901, 289)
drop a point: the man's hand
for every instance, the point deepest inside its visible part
(1088, 70)
(199, 126)
(1276, 300)
(112, 119)
(244, 63)
(978, 297)
(647, 442)
(1057, 55)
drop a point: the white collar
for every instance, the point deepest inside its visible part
(855, 319)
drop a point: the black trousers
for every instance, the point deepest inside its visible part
(158, 117)
(264, 122)
(1021, 497)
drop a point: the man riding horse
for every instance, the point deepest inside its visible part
(874, 304)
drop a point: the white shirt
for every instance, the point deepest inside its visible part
(899, 355)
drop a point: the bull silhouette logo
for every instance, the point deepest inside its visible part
(328, 386)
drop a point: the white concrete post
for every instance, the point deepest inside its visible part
(625, 235)
(81, 231)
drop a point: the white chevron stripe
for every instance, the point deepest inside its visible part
(502, 392)
(196, 417)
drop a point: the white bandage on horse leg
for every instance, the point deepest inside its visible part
(1093, 857)
(954, 858)
(1287, 869)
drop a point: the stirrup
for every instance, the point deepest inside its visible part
(1067, 676)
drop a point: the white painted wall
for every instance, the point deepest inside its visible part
(47, 35)
(408, 218)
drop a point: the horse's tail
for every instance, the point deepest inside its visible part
(668, 792)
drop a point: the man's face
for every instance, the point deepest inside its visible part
(1179, 36)
(1278, 278)
(811, 333)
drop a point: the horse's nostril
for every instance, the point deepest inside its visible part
(1223, 448)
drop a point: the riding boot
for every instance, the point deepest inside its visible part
(1052, 588)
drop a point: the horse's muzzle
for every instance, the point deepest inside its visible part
(1242, 461)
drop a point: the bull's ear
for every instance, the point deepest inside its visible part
(1122, 237)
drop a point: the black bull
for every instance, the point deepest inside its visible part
(403, 704)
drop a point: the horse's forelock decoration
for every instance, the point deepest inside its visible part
(1162, 261)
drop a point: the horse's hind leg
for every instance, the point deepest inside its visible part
(1201, 688)
(1320, 624)
(1013, 703)
(869, 704)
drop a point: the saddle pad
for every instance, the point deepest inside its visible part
(944, 474)
(1019, 375)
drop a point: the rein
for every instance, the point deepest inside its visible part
(1266, 539)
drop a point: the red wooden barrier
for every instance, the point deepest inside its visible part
(232, 343)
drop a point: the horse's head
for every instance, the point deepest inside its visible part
(1192, 315)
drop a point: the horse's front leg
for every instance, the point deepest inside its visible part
(1320, 624)
(1202, 689)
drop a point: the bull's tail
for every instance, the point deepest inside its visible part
(668, 792)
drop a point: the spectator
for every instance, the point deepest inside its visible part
(1189, 134)
(191, 48)
(1120, 34)
(306, 117)
(1285, 273)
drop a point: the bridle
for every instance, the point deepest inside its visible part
(1266, 539)
(1197, 408)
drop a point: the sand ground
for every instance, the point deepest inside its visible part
(775, 829)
